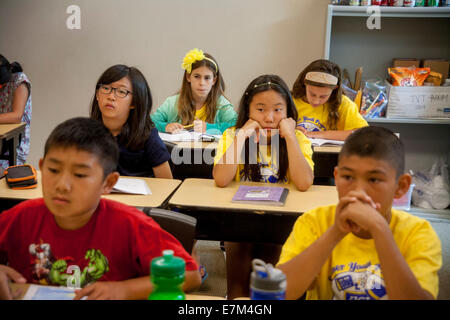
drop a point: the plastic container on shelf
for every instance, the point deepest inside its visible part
(404, 203)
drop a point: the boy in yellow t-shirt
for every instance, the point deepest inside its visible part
(361, 248)
(323, 111)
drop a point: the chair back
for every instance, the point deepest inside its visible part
(180, 225)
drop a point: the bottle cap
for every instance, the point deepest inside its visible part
(167, 266)
(266, 277)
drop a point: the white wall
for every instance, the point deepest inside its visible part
(247, 37)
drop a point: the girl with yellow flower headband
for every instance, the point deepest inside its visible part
(200, 103)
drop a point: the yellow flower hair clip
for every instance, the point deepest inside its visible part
(190, 58)
(193, 56)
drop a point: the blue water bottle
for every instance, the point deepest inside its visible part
(267, 282)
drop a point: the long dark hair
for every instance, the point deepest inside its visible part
(322, 65)
(263, 83)
(7, 69)
(186, 106)
(136, 129)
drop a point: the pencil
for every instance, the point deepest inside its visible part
(188, 126)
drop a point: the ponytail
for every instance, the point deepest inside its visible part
(7, 69)
(15, 67)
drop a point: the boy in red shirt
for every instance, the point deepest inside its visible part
(73, 230)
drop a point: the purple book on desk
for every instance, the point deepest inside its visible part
(275, 196)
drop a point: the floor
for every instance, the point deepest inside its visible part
(213, 258)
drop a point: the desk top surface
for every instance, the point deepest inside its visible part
(160, 188)
(203, 193)
(327, 149)
(213, 145)
(6, 128)
(23, 288)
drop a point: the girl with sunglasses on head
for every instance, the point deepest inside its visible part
(263, 147)
(323, 110)
(200, 104)
(123, 102)
(15, 104)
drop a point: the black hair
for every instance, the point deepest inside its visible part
(7, 69)
(376, 142)
(136, 130)
(87, 135)
(263, 83)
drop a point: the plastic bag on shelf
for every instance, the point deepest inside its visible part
(349, 92)
(432, 189)
(374, 99)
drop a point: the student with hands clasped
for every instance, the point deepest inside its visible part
(324, 112)
(123, 102)
(264, 147)
(200, 104)
(361, 248)
(110, 243)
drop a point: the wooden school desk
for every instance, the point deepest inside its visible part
(187, 158)
(23, 288)
(161, 190)
(10, 137)
(220, 219)
(325, 158)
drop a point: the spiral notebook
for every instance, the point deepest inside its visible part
(275, 196)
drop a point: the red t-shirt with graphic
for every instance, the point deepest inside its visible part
(118, 243)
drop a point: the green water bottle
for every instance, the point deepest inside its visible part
(167, 275)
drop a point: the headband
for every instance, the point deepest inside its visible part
(321, 78)
(263, 84)
(193, 56)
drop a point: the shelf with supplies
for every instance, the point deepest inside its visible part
(410, 121)
(418, 32)
(386, 11)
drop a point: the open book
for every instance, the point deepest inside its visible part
(325, 142)
(185, 135)
(131, 186)
(275, 196)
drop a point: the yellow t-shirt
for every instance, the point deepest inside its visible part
(353, 269)
(200, 114)
(267, 156)
(316, 118)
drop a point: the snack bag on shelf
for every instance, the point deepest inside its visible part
(408, 77)
(434, 79)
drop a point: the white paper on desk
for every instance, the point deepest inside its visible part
(36, 292)
(320, 142)
(180, 136)
(131, 186)
(187, 136)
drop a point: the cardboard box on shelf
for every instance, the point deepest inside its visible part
(418, 102)
(438, 65)
(405, 62)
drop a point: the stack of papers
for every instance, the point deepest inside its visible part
(325, 142)
(131, 186)
(188, 136)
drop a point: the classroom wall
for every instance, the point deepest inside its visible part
(248, 38)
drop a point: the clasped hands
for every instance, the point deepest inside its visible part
(356, 212)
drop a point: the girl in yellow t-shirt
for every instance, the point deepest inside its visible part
(265, 147)
(323, 111)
